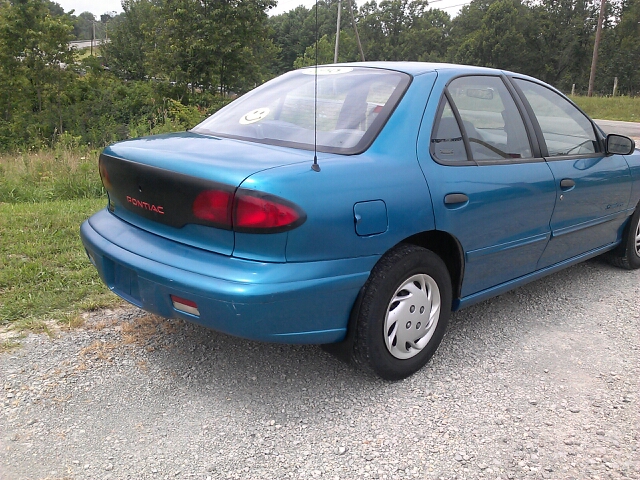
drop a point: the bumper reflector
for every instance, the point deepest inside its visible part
(184, 305)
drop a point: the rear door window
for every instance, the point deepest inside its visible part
(447, 143)
(490, 118)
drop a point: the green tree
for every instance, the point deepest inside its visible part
(620, 51)
(54, 8)
(83, 26)
(287, 32)
(131, 40)
(325, 54)
(502, 37)
(565, 40)
(403, 30)
(195, 44)
(35, 54)
(295, 31)
(427, 37)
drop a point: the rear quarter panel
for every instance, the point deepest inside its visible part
(387, 171)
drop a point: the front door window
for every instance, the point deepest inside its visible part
(565, 129)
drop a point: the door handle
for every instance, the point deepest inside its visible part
(567, 184)
(455, 198)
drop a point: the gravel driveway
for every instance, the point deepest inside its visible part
(541, 382)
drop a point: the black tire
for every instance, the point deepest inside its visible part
(627, 254)
(426, 274)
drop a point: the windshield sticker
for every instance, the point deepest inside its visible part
(327, 70)
(254, 116)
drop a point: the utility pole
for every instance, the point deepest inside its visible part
(335, 53)
(93, 36)
(594, 60)
(353, 22)
(105, 18)
(355, 28)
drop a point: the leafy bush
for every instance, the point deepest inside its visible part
(97, 108)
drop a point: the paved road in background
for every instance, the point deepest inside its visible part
(86, 43)
(630, 129)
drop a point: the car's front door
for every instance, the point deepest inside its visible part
(489, 186)
(592, 189)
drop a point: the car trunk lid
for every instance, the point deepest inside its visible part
(154, 182)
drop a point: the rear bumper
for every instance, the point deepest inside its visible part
(277, 302)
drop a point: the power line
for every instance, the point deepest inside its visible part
(451, 6)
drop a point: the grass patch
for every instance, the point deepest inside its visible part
(83, 53)
(44, 271)
(626, 109)
(60, 174)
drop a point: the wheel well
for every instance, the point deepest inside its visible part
(448, 248)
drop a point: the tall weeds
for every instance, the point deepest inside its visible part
(66, 172)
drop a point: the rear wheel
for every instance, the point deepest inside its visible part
(404, 312)
(627, 255)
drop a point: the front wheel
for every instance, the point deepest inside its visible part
(627, 254)
(404, 312)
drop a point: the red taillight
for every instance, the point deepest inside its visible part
(104, 175)
(247, 211)
(214, 206)
(257, 213)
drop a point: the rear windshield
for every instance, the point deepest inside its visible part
(353, 103)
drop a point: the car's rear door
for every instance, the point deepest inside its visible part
(592, 189)
(490, 187)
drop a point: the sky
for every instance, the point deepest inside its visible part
(98, 7)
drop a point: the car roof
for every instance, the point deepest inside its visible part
(419, 68)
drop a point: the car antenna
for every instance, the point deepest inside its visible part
(315, 167)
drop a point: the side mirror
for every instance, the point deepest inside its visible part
(619, 144)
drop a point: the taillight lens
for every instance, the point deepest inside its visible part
(104, 175)
(214, 206)
(247, 211)
(251, 212)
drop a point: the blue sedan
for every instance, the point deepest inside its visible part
(359, 204)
